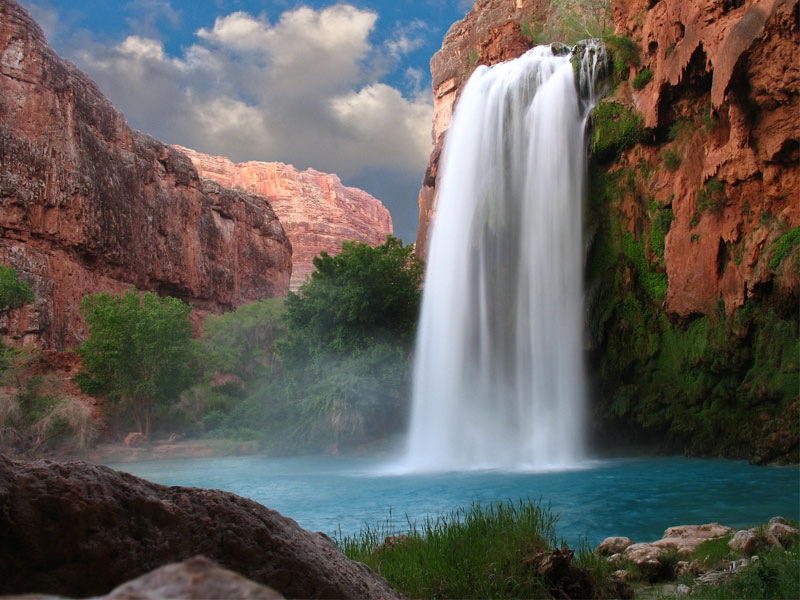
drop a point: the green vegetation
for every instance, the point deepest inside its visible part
(624, 55)
(697, 386)
(327, 367)
(480, 552)
(642, 78)
(35, 415)
(13, 292)
(671, 160)
(570, 21)
(139, 352)
(775, 575)
(783, 246)
(616, 128)
(711, 197)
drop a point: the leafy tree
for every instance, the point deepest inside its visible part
(139, 351)
(13, 292)
(240, 342)
(357, 297)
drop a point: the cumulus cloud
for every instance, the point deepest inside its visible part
(303, 89)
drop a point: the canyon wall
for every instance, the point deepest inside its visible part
(692, 220)
(87, 204)
(316, 210)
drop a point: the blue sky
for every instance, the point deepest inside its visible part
(342, 87)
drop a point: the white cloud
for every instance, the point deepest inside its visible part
(237, 30)
(299, 90)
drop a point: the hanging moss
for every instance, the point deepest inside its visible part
(783, 246)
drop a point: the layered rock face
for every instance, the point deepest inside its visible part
(87, 204)
(77, 529)
(316, 210)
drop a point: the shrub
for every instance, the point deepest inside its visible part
(642, 78)
(671, 160)
(616, 128)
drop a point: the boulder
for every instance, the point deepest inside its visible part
(785, 534)
(686, 538)
(79, 529)
(641, 553)
(613, 545)
(194, 579)
(744, 540)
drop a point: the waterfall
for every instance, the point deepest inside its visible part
(499, 376)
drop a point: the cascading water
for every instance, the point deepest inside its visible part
(499, 375)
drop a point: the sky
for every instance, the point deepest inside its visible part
(342, 87)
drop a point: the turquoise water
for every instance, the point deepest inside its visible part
(637, 498)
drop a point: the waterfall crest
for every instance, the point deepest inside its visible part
(499, 375)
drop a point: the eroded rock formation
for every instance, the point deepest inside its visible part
(87, 204)
(77, 529)
(316, 210)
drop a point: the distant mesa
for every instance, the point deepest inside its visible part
(316, 210)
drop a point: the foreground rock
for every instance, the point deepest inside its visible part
(88, 205)
(77, 529)
(316, 210)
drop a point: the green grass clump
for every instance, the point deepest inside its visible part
(712, 553)
(775, 575)
(477, 552)
(671, 160)
(624, 53)
(642, 78)
(783, 246)
(711, 196)
(616, 128)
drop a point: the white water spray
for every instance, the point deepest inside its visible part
(499, 376)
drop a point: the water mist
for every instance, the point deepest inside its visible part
(499, 376)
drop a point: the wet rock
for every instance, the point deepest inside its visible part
(613, 545)
(78, 529)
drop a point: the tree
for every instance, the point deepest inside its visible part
(139, 351)
(240, 342)
(361, 295)
(13, 292)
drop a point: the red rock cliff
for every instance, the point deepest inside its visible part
(316, 210)
(732, 68)
(90, 205)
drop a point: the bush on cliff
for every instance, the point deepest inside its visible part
(139, 352)
(36, 416)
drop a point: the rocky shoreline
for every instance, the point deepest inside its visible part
(76, 529)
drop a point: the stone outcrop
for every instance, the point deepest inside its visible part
(77, 529)
(316, 210)
(194, 579)
(87, 204)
